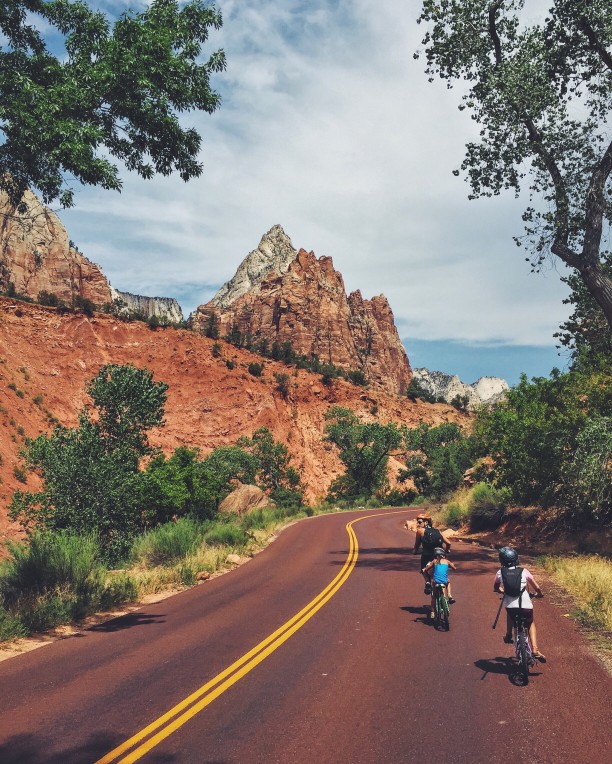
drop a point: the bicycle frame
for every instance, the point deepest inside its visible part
(441, 607)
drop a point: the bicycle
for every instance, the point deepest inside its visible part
(441, 608)
(522, 649)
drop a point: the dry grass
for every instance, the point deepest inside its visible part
(588, 579)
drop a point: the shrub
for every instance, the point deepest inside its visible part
(48, 298)
(357, 377)
(168, 543)
(255, 369)
(10, 626)
(282, 384)
(85, 305)
(226, 534)
(216, 350)
(455, 515)
(487, 506)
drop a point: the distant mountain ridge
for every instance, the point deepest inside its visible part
(486, 390)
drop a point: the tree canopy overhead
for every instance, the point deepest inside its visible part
(542, 95)
(115, 92)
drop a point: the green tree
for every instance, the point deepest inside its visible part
(129, 404)
(541, 94)
(364, 448)
(274, 471)
(114, 92)
(439, 457)
(585, 334)
(90, 474)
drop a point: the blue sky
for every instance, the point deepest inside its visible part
(329, 127)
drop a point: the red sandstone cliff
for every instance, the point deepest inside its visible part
(305, 303)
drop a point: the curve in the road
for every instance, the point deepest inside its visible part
(181, 713)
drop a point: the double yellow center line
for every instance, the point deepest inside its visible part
(143, 741)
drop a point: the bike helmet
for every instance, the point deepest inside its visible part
(508, 556)
(439, 552)
(425, 518)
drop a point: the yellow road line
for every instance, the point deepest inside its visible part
(204, 696)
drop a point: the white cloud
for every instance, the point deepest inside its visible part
(329, 127)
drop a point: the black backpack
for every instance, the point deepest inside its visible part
(431, 539)
(512, 581)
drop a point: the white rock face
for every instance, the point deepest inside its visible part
(486, 390)
(166, 309)
(274, 253)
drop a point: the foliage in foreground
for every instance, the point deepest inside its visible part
(116, 92)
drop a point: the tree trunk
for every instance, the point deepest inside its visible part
(600, 286)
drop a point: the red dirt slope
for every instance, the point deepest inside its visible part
(46, 360)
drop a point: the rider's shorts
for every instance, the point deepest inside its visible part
(425, 560)
(527, 615)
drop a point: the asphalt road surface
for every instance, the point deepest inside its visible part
(316, 650)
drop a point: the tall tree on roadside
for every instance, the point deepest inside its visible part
(113, 92)
(542, 95)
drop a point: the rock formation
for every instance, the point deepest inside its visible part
(281, 295)
(167, 309)
(37, 256)
(446, 387)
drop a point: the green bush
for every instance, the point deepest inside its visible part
(487, 506)
(10, 627)
(455, 515)
(226, 534)
(169, 542)
(57, 578)
(255, 369)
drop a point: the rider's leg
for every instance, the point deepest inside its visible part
(533, 638)
(509, 626)
(449, 594)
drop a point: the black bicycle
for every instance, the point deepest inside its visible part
(441, 608)
(522, 648)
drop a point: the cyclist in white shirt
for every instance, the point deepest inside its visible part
(509, 571)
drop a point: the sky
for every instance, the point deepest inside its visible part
(329, 127)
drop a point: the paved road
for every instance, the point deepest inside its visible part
(317, 650)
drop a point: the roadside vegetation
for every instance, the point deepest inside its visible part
(588, 578)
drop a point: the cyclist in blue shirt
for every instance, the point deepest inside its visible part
(439, 567)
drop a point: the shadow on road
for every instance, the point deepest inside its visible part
(382, 558)
(127, 622)
(499, 665)
(422, 610)
(33, 749)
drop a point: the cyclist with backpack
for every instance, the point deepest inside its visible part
(514, 583)
(427, 539)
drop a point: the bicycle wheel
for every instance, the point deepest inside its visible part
(445, 613)
(437, 611)
(523, 656)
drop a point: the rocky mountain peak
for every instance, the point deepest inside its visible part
(275, 253)
(282, 296)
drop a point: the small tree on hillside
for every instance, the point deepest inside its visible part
(364, 449)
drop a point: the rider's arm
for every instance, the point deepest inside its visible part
(533, 583)
(497, 586)
(417, 541)
(451, 565)
(428, 566)
(447, 544)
